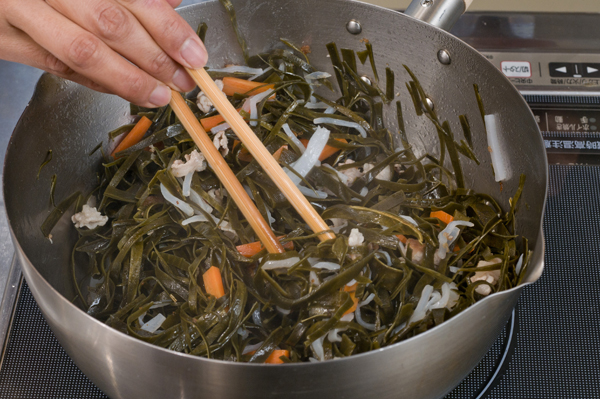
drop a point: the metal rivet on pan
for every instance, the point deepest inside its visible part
(426, 3)
(430, 103)
(444, 57)
(367, 80)
(353, 26)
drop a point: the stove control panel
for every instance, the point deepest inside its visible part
(561, 71)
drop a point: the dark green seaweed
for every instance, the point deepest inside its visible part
(148, 261)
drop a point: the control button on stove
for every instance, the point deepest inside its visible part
(561, 69)
(516, 69)
(591, 70)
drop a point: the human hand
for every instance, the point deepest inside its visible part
(124, 47)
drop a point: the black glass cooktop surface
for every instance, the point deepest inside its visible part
(550, 349)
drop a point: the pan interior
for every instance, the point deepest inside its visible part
(72, 120)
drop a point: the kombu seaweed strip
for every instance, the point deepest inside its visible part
(201, 31)
(46, 161)
(233, 17)
(58, 212)
(479, 103)
(52, 189)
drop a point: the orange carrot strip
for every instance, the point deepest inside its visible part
(402, 238)
(274, 357)
(328, 150)
(232, 86)
(213, 282)
(443, 216)
(352, 291)
(251, 249)
(245, 156)
(277, 154)
(213, 121)
(134, 136)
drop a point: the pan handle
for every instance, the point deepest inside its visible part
(442, 14)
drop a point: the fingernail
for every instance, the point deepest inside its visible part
(160, 96)
(193, 53)
(183, 81)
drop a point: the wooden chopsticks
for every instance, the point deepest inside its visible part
(261, 154)
(225, 174)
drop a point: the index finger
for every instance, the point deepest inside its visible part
(170, 31)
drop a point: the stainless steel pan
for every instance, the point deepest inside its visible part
(72, 120)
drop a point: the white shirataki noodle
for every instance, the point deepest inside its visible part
(338, 224)
(317, 348)
(309, 159)
(443, 302)
(280, 264)
(348, 317)
(292, 136)
(339, 122)
(454, 295)
(89, 217)
(499, 157)
(218, 194)
(270, 217)
(519, 265)
(187, 184)
(314, 279)
(198, 200)
(182, 205)
(243, 333)
(254, 100)
(154, 323)
(319, 105)
(388, 258)
(310, 193)
(359, 320)
(409, 219)
(343, 178)
(220, 128)
(251, 348)
(447, 236)
(420, 310)
(283, 311)
(326, 266)
(194, 219)
(333, 335)
(259, 74)
(161, 304)
(317, 75)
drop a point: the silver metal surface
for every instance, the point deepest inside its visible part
(353, 26)
(430, 103)
(444, 57)
(73, 120)
(11, 292)
(442, 14)
(17, 83)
